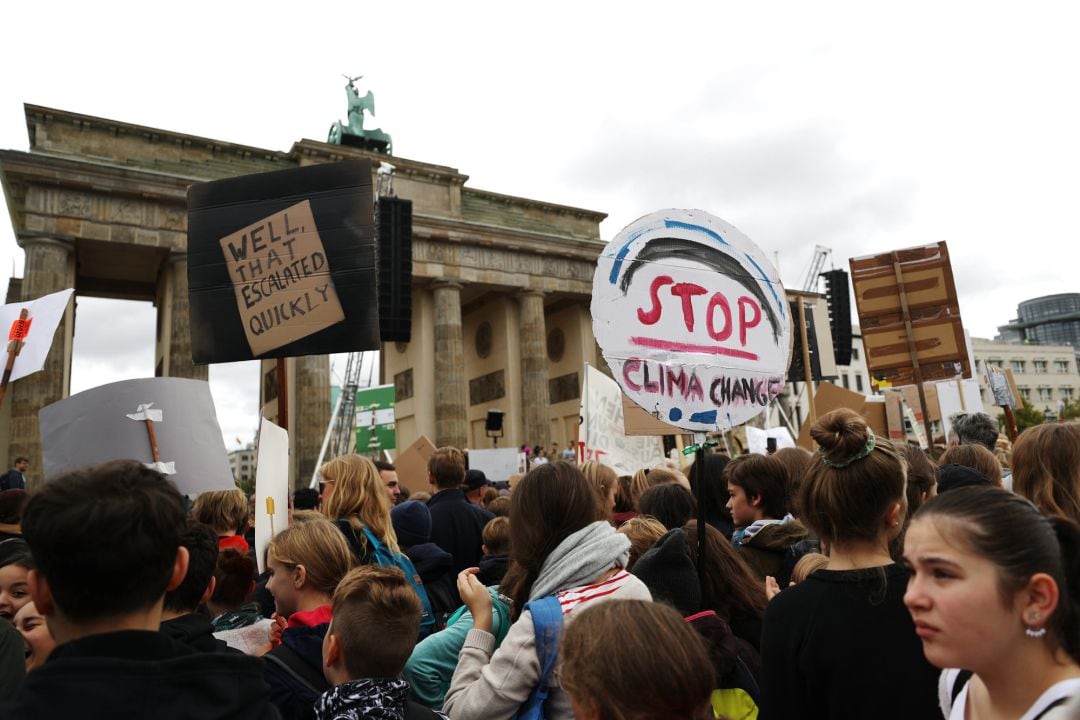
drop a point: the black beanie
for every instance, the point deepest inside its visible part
(950, 477)
(669, 573)
(412, 523)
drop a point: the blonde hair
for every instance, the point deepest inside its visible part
(319, 547)
(806, 566)
(222, 510)
(603, 480)
(646, 478)
(643, 533)
(496, 536)
(977, 458)
(359, 496)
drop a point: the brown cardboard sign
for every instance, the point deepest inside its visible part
(829, 397)
(639, 421)
(279, 270)
(940, 347)
(412, 464)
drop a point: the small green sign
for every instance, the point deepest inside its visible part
(375, 426)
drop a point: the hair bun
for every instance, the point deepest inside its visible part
(841, 434)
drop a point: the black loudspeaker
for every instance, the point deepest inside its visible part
(838, 296)
(494, 421)
(393, 227)
(796, 371)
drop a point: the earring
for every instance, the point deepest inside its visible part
(1041, 632)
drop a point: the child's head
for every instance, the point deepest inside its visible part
(1046, 468)
(306, 560)
(500, 506)
(604, 481)
(855, 489)
(412, 523)
(234, 579)
(671, 504)
(376, 618)
(496, 536)
(16, 562)
(658, 673)
(646, 478)
(202, 546)
(758, 488)
(353, 489)
(225, 511)
(921, 475)
(807, 565)
(992, 574)
(106, 541)
(643, 532)
(550, 503)
(796, 462)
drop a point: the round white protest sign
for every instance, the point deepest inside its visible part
(692, 319)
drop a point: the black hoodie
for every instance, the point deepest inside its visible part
(142, 674)
(196, 631)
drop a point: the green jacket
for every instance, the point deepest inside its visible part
(433, 660)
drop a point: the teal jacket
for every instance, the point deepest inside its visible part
(433, 660)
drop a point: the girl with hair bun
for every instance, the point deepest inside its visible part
(994, 589)
(841, 644)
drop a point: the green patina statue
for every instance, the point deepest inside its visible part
(354, 133)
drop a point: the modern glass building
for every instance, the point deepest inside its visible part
(1048, 320)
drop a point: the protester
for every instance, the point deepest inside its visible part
(840, 644)
(560, 546)
(1046, 468)
(16, 562)
(921, 476)
(643, 532)
(306, 499)
(646, 478)
(604, 482)
(226, 511)
(496, 547)
(236, 620)
(710, 470)
(995, 590)
(977, 458)
(412, 525)
(656, 672)
(180, 619)
(11, 505)
(474, 486)
(758, 504)
(106, 541)
(306, 561)
(796, 462)
(34, 630)
(624, 502)
(500, 506)
(978, 428)
(375, 616)
(950, 477)
(457, 526)
(671, 504)
(15, 478)
(388, 475)
(355, 498)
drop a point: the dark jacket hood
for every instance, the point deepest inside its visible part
(430, 561)
(778, 537)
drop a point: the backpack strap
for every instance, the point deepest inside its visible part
(288, 660)
(547, 620)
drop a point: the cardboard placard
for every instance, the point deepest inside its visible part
(106, 423)
(636, 421)
(282, 264)
(691, 318)
(829, 397)
(601, 435)
(271, 483)
(411, 465)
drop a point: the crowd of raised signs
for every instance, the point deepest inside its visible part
(864, 580)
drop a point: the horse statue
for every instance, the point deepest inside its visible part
(355, 127)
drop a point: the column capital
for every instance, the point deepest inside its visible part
(530, 292)
(448, 284)
(28, 241)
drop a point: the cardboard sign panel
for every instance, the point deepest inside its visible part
(638, 422)
(829, 397)
(412, 464)
(939, 344)
(928, 282)
(283, 264)
(109, 422)
(692, 319)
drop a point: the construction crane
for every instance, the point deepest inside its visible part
(821, 254)
(340, 438)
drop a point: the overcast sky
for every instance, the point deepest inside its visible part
(862, 127)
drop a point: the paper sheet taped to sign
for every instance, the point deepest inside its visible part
(279, 269)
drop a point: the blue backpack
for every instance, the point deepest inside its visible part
(547, 620)
(386, 557)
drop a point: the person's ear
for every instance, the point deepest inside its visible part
(1038, 601)
(41, 593)
(209, 592)
(333, 650)
(299, 577)
(180, 568)
(893, 516)
(484, 549)
(755, 500)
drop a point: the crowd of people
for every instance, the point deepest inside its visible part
(868, 579)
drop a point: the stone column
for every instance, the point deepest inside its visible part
(451, 424)
(180, 362)
(311, 393)
(47, 269)
(535, 399)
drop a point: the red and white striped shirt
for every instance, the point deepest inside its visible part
(570, 598)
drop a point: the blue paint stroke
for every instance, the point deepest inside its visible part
(772, 289)
(680, 225)
(675, 414)
(621, 255)
(708, 418)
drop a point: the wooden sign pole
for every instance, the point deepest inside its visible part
(913, 349)
(283, 393)
(1010, 423)
(808, 372)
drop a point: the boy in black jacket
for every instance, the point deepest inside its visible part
(180, 616)
(106, 540)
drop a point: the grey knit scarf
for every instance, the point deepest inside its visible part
(581, 558)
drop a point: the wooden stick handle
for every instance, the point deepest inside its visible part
(153, 439)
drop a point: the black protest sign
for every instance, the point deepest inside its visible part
(283, 264)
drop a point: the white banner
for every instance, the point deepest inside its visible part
(497, 464)
(271, 487)
(44, 314)
(602, 428)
